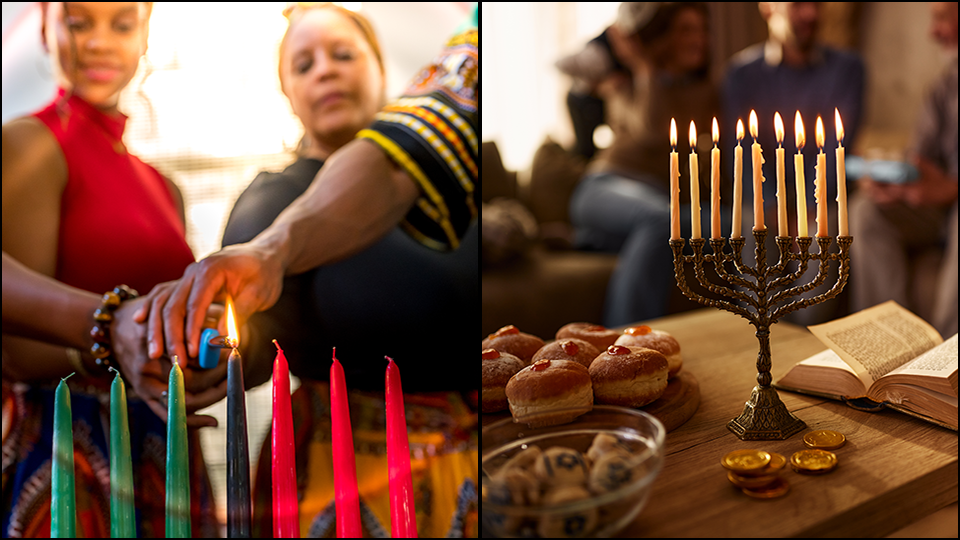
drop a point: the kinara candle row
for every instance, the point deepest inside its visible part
(757, 160)
(285, 512)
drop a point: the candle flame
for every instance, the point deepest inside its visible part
(233, 336)
(693, 136)
(716, 131)
(673, 133)
(798, 127)
(753, 123)
(819, 132)
(839, 125)
(739, 130)
(778, 127)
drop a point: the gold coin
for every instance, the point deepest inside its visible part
(813, 461)
(778, 488)
(777, 462)
(824, 439)
(751, 482)
(745, 461)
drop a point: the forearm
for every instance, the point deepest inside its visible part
(40, 307)
(31, 360)
(357, 198)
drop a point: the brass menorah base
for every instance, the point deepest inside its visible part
(759, 295)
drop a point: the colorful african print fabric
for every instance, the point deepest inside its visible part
(28, 448)
(444, 460)
(431, 132)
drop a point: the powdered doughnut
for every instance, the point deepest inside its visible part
(573, 349)
(512, 340)
(496, 368)
(658, 340)
(600, 336)
(628, 377)
(549, 392)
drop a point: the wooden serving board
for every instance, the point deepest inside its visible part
(673, 408)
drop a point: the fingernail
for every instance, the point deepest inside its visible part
(153, 350)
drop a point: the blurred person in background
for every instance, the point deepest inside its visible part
(81, 216)
(891, 221)
(368, 242)
(794, 71)
(622, 204)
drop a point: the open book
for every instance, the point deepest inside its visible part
(884, 356)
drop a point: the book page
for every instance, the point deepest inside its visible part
(939, 362)
(878, 340)
(823, 374)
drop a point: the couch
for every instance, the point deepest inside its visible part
(550, 283)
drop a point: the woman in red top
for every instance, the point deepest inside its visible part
(79, 208)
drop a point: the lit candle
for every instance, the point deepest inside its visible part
(841, 179)
(781, 178)
(403, 517)
(238, 457)
(63, 497)
(674, 184)
(737, 230)
(715, 183)
(694, 183)
(178, 472)
(757, 176)
(820, 191)
(286, 514)
(801, 183)
(344, 462)
(122, 520)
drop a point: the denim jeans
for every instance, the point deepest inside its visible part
(616, 214)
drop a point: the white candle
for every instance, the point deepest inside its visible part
(781, 179)
(841, 179)
(757, 176)
(821, 183)
(801, 183)
(715, 183)
(737, 230)
(674, 184)
(694, 183)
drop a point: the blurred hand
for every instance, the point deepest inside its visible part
(933, 188)
(177, 309)
(149, 377)
(882, 193)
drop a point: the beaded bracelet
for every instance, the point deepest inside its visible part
(102, 349)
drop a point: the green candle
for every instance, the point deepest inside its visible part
(122, 523)
(63, 501)
(178, 473)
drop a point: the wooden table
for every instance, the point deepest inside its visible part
(893, 470)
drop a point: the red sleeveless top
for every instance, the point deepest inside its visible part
(118, 220)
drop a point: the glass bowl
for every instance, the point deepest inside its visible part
(582, 493)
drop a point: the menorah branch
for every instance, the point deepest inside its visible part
(764, 416)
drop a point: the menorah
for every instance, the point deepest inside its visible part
(762, 301)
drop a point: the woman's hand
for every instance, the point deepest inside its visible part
(149, 377)
(179, 309)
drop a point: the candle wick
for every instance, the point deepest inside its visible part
(68, 376)
(278, 345)
(389, 359)
(111, 368)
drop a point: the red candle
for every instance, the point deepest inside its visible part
(286, 515)
(403, 516)
(344, 462)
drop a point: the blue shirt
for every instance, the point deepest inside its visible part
(757, 79)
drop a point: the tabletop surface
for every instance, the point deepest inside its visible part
(893, 470)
